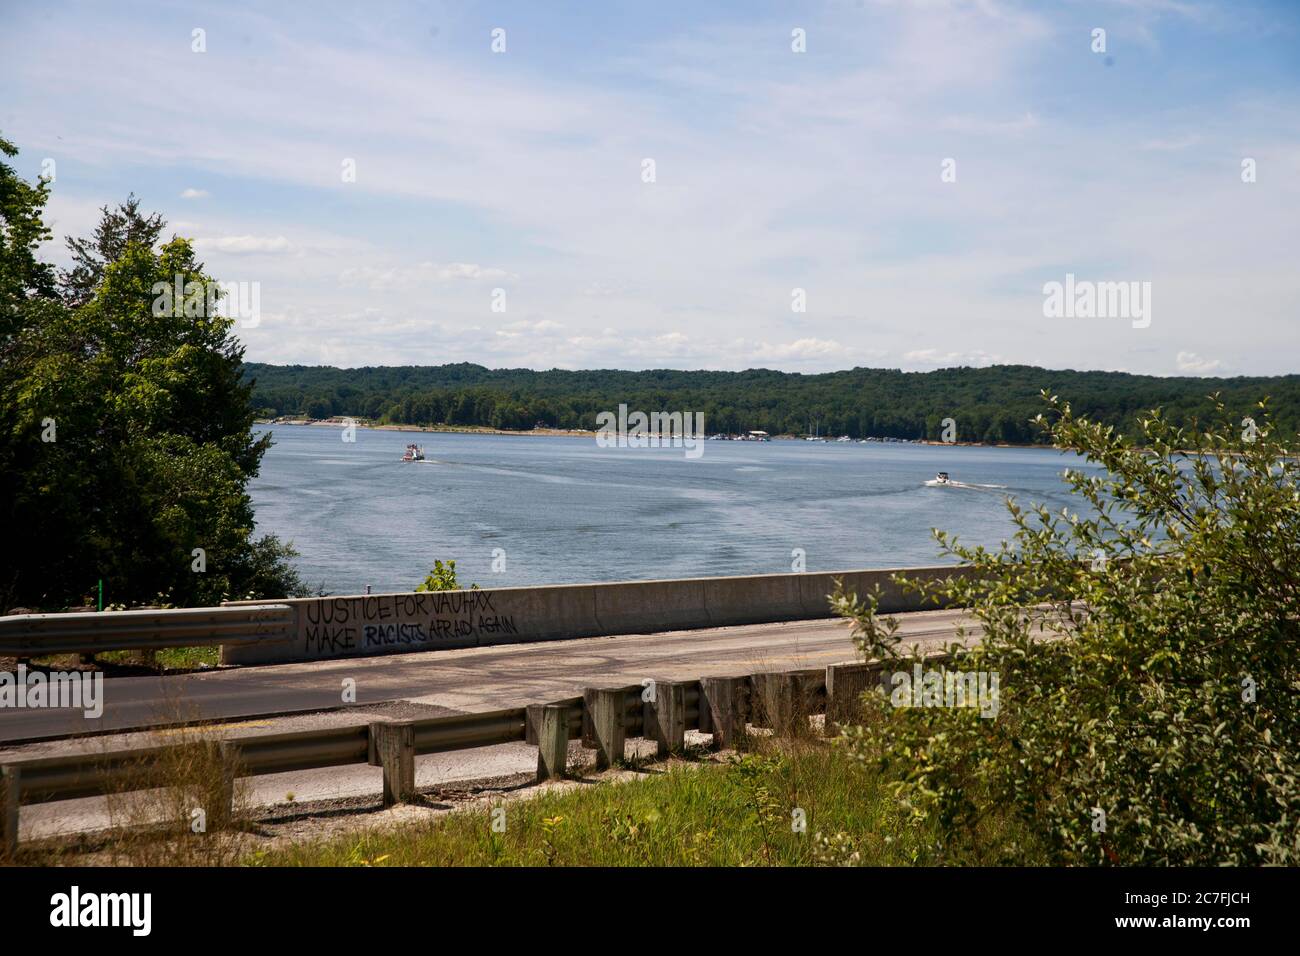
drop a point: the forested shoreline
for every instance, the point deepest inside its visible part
(992, 405)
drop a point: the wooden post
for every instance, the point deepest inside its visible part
(10, 792)
(393, 744)
(552, 741)
(221, 816)
(608, 706)
(723, 699)
(533, 719)
(845, 685)
(780, 703)
(589, 729)
(665, 717)
(532, 723)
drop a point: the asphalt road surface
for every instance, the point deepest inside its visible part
(284, 697)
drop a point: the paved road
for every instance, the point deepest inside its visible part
(461, 680)
(421, 685)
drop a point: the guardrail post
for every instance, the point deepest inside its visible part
(845, 685)
(608, 706)
(10, 791)
(222, 815)
(532, 723)
(393, 748)
(723, 699)
(552, 741)
(664, 717)
(779, 700)
(589, 728)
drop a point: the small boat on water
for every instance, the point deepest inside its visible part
(413, 453)
(942, 480)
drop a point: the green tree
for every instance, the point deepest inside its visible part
(993, 404)
(1147, 658)
(23, 277)
(117, 228)
(27, 300)
(128, 434)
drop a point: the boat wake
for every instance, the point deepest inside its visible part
(936, 483)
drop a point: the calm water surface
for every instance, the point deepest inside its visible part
(564, 510)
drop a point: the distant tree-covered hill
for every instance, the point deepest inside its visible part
(988, 404)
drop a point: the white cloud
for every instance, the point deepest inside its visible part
(239, 245)
(800, 349)
(775, 171)
(1192, 364)
(545, 326)
(982, 125)
(598, 290)
(380, 278)
(195, 194)
(936, 359)
(528, 330)
(1171, 145)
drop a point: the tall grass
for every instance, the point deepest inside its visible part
(164, 659)
(184, 807)
(741, 812)
(181, 804)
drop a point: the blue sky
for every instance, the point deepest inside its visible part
(774, 171)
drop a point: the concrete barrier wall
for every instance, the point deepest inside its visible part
(359, 625)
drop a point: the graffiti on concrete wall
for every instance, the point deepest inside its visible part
(368, 624)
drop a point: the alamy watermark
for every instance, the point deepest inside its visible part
(945, 688)
(194, 299)
(57, 689)
(655, 430)
(1084, 299)
(74, 908)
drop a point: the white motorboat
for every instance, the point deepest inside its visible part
(413, 453)
(942, 480)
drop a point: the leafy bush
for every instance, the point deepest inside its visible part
(1146, 652)
(442, 578)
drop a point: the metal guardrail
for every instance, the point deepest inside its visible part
(437, 735)
(785, 694)
(300, 750)
(90, 632)
(69, 777)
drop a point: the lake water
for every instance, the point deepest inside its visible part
(564, 510)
